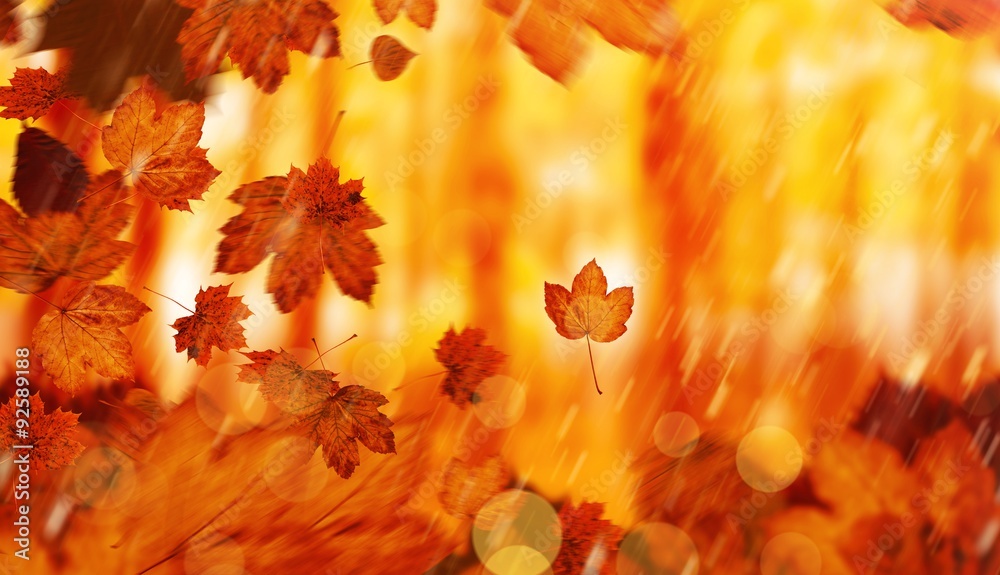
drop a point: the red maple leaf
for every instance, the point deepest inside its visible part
(336, 418)
(311, 222)
(215, 323)
(468, 362)
(32, 92)
(50, 435)
(587, 541)
(256, 35)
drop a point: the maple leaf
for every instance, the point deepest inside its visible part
(257, 35)
(553, 32)
(48, 177)
(48, 434)
(8, 23)
(589, 311)
(389, 57)
(468, 362)
(32, 92)
(963, 19)
(159, 151)
(333, 417)
(465, 488)
(214, 323)
(587, 540)
(34, 252)
(111, 41)
(310, 221)
(83, 332)
(420, 12)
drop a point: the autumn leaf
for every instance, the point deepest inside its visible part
(903, 416)
(32, 92)
(553, 32)
(389, 57)
(333, 417)
(421, 12)
(465, 487)
(587, 541)
(34, 252)
(256, 35)
(8, 23)
(963, 19)
(48, 177)
(159, 150)
(311, 222)
(83, 332)
(589, 311)
(468, 362)
(50, 435)
(215, 323)
(112, 41)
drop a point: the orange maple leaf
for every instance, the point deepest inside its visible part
(84, 332)
(48, 434)
(334, 417)
(214, 323)
(589, 311)
(420, 12)
(34, 252)
(257, 36)
(466, 488)
(309, 221)
(587, 541)
(553, 32)
(159, 151)
(468, 362)
(49, 177)
(32, 92)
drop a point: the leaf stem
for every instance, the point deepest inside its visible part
(353, 335)
(171, 299)
(319, 355)
(592, 370)
(407, 384)
(79, 117)
(26, 290)
(105, 187)
(360, 64)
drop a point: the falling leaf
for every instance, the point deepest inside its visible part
(311, 222)
(587, 541)
(964, 19)
(111, 41)
(468, 362)
(256, 35)
(553, 32)
(50, 435)
(84, 332)
(334, 417)
(32, 92)
(34, 252)
(589, 311)
(48, 177)
(160, 151)
(389, 57)
(387, 10)
(8, 23)
(465, 487)
(902, 416)
(422, 12)
(215, 323)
